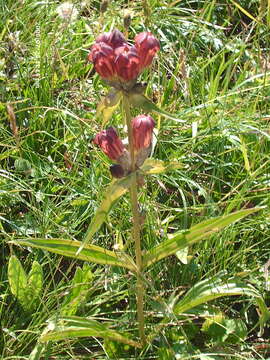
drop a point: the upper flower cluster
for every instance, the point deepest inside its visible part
(117, 61)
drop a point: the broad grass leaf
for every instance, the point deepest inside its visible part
(91, 253)
(142, 102)
(117, 189)
(201, 231)
(153, 166)
(79, 288)
(73, 327)
(17, 280)
(216, 287)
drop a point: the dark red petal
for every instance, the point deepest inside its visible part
(147, 46)
(127, 62)
(102, 56)
(103, 38)
(142, 129)
(116, 39)
(110, 143)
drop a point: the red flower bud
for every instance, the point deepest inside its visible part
(147, 46)
(117, 171)
(114, 38)
(110, 143)
(142, 130)
(102, 56)
(127, 62)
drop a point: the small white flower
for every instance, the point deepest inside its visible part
(67, 11)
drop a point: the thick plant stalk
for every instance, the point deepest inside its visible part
(146, 10)
(136, 224)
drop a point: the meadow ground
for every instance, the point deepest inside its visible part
(212, 72)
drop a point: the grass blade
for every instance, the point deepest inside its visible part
(244, 11)
(74, 327)
(201, 231)
(211, 289)
(91, 253)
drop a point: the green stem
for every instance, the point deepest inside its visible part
(136, 224)
(146, 10)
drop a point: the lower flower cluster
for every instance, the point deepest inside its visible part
(110, 143)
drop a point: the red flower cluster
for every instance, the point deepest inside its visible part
(112, 145)
(115, 60)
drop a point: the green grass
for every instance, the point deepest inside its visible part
(52, 176)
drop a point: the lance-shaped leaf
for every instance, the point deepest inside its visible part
(113, 193)
(153, 166)
(216, 287)
(201, 231)
(17, 279)
(119, 188)
(142, 102)
(35, 279)
(108, 105)
(78, 290)
(26, 288)
(91, 253)
(74, 327)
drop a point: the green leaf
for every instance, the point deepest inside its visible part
(182, 255)
(17, 280)
(216, 287)
(74, 327)
(115, 350)
(70, 248)
(79, 288)
(222, 330)
(26, 288)
(37, 352)
(153, 166)
(201, 231)
(108, 105)
(140, 101)
(22, 165)
(117, 189)
(165, 354)
(210, 289)
(35, 279)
